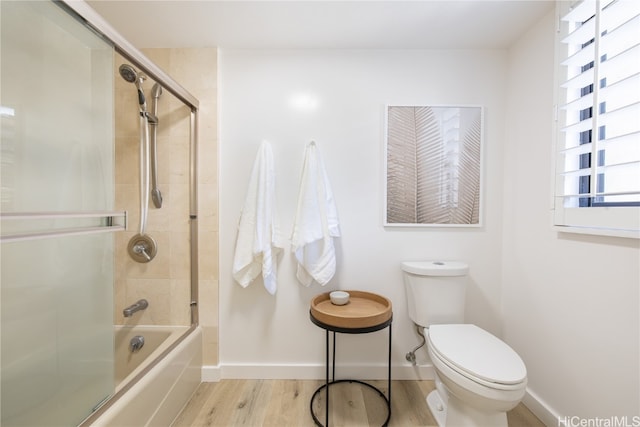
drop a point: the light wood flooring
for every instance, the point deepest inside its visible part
(285, 403)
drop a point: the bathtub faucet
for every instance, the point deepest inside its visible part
(140, 305)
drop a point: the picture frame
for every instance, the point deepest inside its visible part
(433, 165)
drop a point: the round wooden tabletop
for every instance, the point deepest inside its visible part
(364, 310)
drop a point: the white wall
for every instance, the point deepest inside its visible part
(263, 335)
(570, 302)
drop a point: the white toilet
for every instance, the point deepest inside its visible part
(478, 377)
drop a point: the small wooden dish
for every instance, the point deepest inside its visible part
(364, 310)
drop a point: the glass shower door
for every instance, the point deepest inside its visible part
(57, 214)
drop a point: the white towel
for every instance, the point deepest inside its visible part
(316, 223)
(259, 243)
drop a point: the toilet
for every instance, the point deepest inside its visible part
(478, 377)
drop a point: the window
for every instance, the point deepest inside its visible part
(597, 179)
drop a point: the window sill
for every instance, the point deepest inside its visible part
(608, 232)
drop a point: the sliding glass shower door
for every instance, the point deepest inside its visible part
(57, 215)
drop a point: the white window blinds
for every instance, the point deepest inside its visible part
(598, 144)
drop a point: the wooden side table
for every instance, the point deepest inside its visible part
(365, 312)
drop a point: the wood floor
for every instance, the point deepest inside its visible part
(285, 403)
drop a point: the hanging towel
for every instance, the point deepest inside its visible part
(316, 223)
(259, 243)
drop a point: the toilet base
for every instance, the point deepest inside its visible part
(455, 413)
(437, 407)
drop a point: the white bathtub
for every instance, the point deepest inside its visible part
(128, 364)
(162, 390)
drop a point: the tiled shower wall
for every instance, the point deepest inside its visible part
(165, 281)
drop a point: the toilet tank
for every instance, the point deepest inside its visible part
(435, 291)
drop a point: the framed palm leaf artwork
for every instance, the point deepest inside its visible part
(433, 165)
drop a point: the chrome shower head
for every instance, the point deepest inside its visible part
(132, 76)
(128, 73)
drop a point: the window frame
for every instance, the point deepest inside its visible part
(606, 219)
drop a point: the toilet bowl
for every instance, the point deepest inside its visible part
(478, 377)
(483, 377)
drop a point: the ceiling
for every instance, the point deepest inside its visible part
(323, 24)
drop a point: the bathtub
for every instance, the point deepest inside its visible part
(129, 364)
(152, 395)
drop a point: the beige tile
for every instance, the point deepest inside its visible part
(160, 56)
(208, 302)
(178, 120)
(166, 279)
(180, 259)
(208, 223)
(208, 139)
(208, 208)
(209, 345)
(127, 118)
(127, 157)
(207, 164)
(208, 113)
(181, 302)
(164, 159)
(157, 293)
(208, 255)
(208, 102)
(160, 219)
(196, 67)
(180, 196)
(175, 208)
(174, 213)
(180, 163)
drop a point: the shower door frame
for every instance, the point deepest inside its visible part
(95, 22)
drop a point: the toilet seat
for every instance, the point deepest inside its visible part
(477, 355)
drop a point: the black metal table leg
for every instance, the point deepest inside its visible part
(333, 362)
(331, 379)
(389, 374)
(326, 419)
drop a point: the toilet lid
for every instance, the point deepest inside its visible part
(476, 352)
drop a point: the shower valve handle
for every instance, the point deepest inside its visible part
(141, 249)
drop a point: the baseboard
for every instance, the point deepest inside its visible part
(541, 409)
(314, 372)
(215, 373)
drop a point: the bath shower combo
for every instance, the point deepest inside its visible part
(79, 362)
(142, 247)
